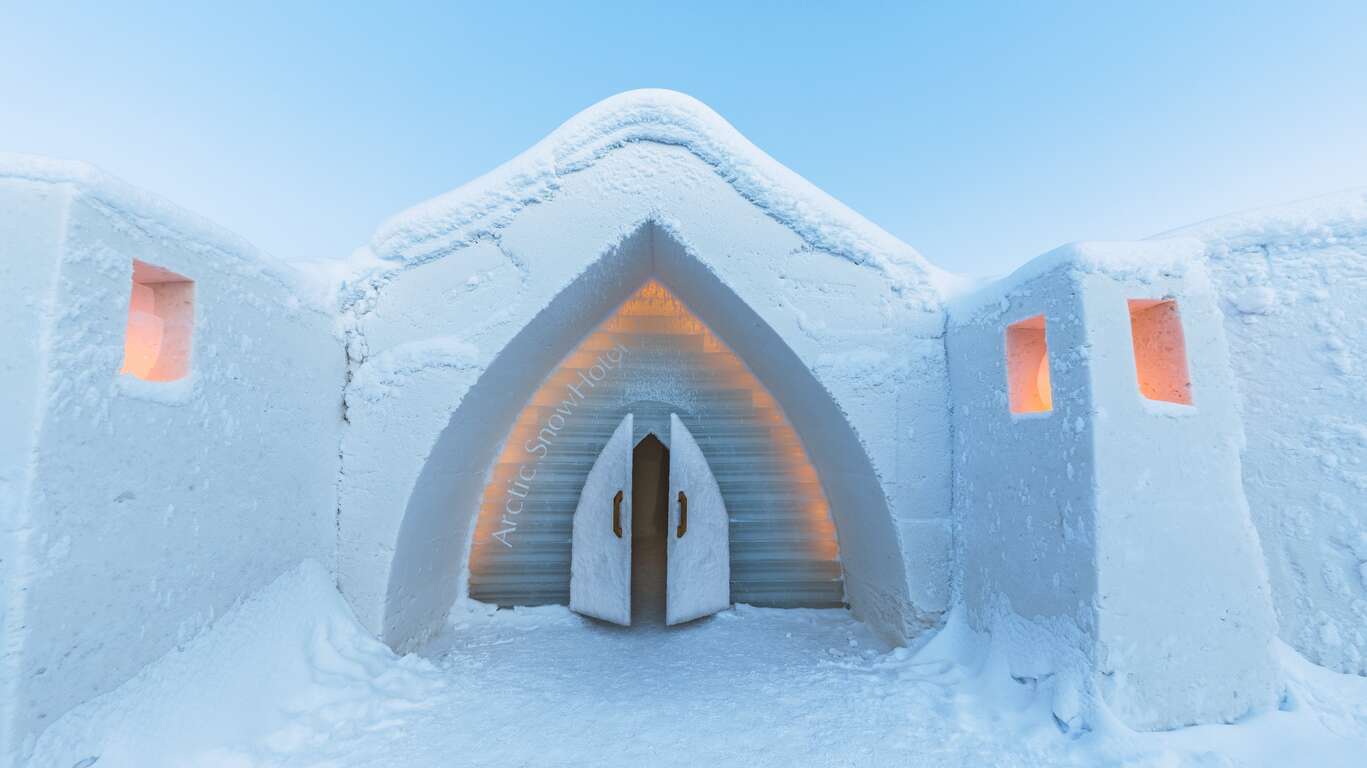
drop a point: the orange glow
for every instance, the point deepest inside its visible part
(1042, 385)
(654, 309)
(1160, 350)
(142, 344)
(156, 344)
(1029, 389)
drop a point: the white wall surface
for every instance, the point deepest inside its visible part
(1293, 289)
(1023, 483)
(1114, 526)
(154, 506)
(32, 217)
(848, 336)
(1184, 606)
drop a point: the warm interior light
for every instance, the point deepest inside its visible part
(156, 343)
(1029, 389)
(1160, 350)
(142, 345)
(654, 309)
(1046, 394)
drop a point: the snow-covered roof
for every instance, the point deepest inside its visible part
(1142, 261)
(159, 218)
(1316, 221)
(134, 203)
(488, 203)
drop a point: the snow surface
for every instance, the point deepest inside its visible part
(856, 363)
(849, 329)
(1119, 527)
(481, 207)
(134, 512)
(600, 569)
(289, 678)
(699, 562)
(157, 217)
(1292, 281)
(1303, 224)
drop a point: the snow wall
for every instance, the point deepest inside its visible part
(133, 512)
(1293, 288)
(1109, 537)
(488, 288)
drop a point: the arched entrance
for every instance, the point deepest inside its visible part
(653, 358)
(436, 535)
(649, 529)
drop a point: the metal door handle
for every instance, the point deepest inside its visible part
(617, 514)
(683, 516)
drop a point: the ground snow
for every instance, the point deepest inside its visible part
(282, 675)
(290, 679)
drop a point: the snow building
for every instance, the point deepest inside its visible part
(646, 371)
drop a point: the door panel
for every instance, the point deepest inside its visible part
(699, 580)
(600, 555)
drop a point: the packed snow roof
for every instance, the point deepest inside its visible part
(156, 217)
(1316, 221)
(1143, 261)
(481, 207)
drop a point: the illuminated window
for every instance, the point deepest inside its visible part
(161, 318)
(1160, 352)
(1027, 367)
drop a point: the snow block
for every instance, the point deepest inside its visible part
(821, 305)
(1291, 281)
(1115, 523)
(133, 512)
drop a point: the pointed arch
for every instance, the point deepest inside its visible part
(653, 360)
(431, 551)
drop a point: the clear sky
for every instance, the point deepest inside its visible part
(980, 134)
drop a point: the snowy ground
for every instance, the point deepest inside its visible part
(289, 679)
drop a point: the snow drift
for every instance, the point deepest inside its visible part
(287, 671)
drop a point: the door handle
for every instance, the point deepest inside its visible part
(617, 514)
(683, 516)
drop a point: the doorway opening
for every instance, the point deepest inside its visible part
(652, 357)
(649, 523)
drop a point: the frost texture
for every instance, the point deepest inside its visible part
(490, 202)
(600, 568)
(290, 679)
(1293, 280)
(288, 671)
(699, 581)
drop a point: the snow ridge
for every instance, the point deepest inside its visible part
(159, 218)
(485, 205)
(1314, 222)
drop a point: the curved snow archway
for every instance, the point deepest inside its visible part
(429, 558)
(654, 359)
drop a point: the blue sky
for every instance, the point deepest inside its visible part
(981, 134)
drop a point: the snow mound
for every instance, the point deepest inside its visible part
(284, 672)
(490, 202)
